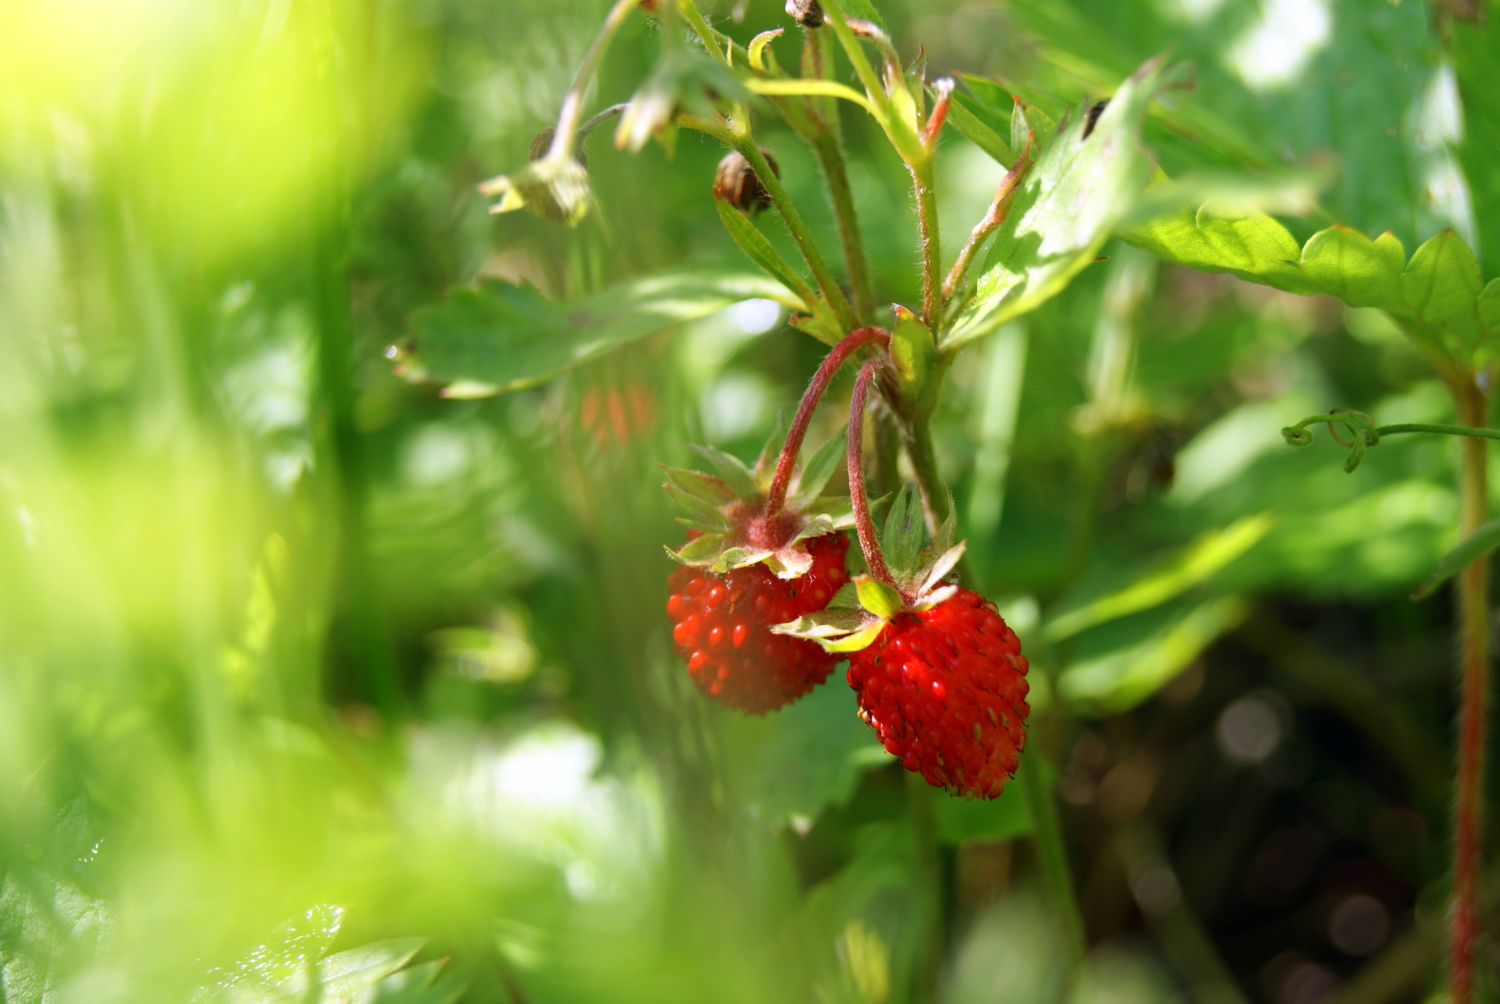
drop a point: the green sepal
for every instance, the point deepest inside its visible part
(699, 551)
(902, 540)
(860, 639)
(820, 324)
(764, 471)
(738, 557)
(732, 469)
(839, 508)
(940, 567)
(715, 491)
(818, 470)
(877, 597)
(847, 598)
(912, 353)
(701, 510)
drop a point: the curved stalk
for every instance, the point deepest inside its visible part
(1473, 602)
(851, 342)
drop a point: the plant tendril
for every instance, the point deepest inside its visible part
(1364, 433)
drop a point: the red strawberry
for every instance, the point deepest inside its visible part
(721, 626)
(945, 689)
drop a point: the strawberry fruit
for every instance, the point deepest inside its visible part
(749, 565)
(721, 627)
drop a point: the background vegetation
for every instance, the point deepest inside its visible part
(300, 659)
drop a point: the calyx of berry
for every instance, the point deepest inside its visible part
(919, 572)
(730, 511)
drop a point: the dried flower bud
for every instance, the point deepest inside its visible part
(737, 184)
(807, 13)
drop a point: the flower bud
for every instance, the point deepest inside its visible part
(807, 13)
(737, 184)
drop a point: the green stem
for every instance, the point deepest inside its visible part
(1473, 603)
(862, 68)
(745, 144)
(830, 150)
(702, 30)
(1442, 430)
(932, 247)
(1046, 832)
(916, 436)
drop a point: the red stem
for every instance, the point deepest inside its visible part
(856, 339)
(868, 542)
(1474, 619)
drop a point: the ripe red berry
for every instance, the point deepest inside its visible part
(945, 689)
(721, 626)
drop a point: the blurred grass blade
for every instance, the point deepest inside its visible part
(759, 250)
(502, 337)
(1478, 544)
(1202, 558)
(1120, 680)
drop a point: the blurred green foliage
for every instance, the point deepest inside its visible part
(318, 684)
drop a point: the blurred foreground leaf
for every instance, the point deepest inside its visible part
(501, 337)
(1075, 195)
(814, 757)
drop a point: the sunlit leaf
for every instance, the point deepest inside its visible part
(1070, 201)
(501, 337)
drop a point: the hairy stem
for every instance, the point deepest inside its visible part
(1473, 602)
(702, 30)
(864, 524)
(846, 347)
(745, 144)
(932, 246)
(830, 149)
(916, 436)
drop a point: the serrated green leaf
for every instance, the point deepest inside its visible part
(500, 336)
(877, 597)
(904, 529)
(731, 468)
(1072, 198)
(818, 470)
(759, 250)
(1473, 548)
(1437, 297)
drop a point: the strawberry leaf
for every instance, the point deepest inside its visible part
(1077, 192)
